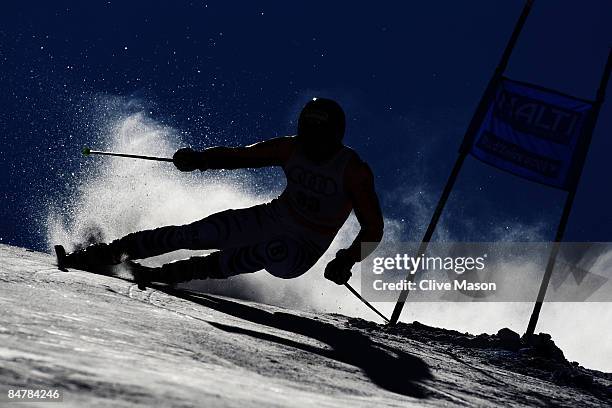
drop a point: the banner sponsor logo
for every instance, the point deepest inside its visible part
(532, 132)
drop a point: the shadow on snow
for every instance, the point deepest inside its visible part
(391, 369)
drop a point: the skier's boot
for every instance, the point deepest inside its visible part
(60, 256)
(96, 257)
(141, 274)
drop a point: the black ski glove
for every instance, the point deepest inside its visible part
(187, 159)
(338, 270)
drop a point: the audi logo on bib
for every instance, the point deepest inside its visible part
(314, 182)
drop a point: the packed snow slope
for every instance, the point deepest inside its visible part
(104, 342)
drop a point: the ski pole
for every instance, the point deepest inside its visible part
(354, 292)
(87, 151)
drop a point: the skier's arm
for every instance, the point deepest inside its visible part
(367, 210)
(273, 152)
(360, 187)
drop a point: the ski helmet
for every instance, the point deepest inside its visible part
(322, 120)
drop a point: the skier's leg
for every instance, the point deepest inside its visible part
(196, 267)
(217, 231)
(217, 265)
(279, 256)
(282, 256)
(229, 228)
(250, 240)
(137, 245)
(288, 256)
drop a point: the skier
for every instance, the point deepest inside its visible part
(286, 237)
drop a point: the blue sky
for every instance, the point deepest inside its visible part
(409, 75)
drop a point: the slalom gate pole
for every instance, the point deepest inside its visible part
(466, 144)
(87, 151)
(567, 208)
(365, 302)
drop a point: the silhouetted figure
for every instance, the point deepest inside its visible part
(286, 237)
